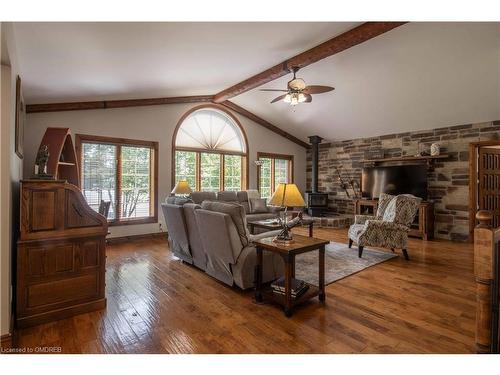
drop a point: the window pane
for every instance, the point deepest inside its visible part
(265, 178)
(232, 172)
(135, 182)
(99, 175)
(185, 167)
(280, 171)
(210, 172)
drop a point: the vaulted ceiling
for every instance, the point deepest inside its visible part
(94, 61)
(417, 76)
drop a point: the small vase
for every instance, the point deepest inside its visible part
(435, 149)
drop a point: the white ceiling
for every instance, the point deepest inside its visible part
(89, 61)
(418, 76)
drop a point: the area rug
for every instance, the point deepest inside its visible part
(340, 262)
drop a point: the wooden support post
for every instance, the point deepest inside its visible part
(484, 246)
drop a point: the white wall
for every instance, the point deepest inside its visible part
(11, 171)
(156, 123)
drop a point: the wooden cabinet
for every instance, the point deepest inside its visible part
(61, 254)
(422, 227)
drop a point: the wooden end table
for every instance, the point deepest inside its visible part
(301, 244)
(269, 224)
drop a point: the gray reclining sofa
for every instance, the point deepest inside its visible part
(212, 234)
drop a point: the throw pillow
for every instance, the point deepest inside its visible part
(258, 205)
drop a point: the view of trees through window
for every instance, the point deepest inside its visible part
(211, 166)
(135, 182)
(265, 185)
(185, 167)
(99, 175)
(273, 171)
(120, 174)
(210, 172)
(232, 172)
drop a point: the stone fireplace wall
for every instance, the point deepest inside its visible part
(448, 181)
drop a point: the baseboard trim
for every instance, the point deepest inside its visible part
(121, 239)
(6, 341)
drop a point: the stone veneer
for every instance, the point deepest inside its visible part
(447, 183)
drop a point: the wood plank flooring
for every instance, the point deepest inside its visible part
(156, 304)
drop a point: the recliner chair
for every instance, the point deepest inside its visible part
(231, 256)
(177, 231)
(194, 237)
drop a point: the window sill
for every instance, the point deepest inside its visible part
(145, 220)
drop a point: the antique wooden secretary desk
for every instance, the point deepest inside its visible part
(61, 251)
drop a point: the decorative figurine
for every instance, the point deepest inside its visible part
(287, 227)
(42, 158)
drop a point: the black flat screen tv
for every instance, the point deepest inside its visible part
(401, 179)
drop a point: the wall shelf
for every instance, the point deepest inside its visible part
(407, 158)
(60, 145)
(428, 159)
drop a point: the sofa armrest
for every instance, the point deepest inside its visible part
(384, 225)
(255, 237)
(361, 219)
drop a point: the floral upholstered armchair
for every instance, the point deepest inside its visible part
(389, 228)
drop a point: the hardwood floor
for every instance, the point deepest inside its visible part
(157, 304)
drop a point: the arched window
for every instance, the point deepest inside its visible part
(210, 150)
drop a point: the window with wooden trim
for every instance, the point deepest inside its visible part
(210, 151)
(123, 172)
(273, 170)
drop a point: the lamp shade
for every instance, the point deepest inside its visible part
(287, 195)
(182, 187)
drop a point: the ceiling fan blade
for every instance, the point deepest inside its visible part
(273, 90)
(281, 97)
(316, 89)
(309, 98)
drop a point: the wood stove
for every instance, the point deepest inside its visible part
(317, 203)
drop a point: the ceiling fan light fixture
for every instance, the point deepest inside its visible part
(298, 92)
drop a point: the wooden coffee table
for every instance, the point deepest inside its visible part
(301, 244)
(270, 225)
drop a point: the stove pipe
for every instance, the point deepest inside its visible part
(315, 141)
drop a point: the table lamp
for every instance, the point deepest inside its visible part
(182, 188)
(286, 195)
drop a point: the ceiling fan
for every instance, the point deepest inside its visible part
(297, 91)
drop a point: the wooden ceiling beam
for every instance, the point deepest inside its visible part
(78, 106)
(351, 38)
(259, 120)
